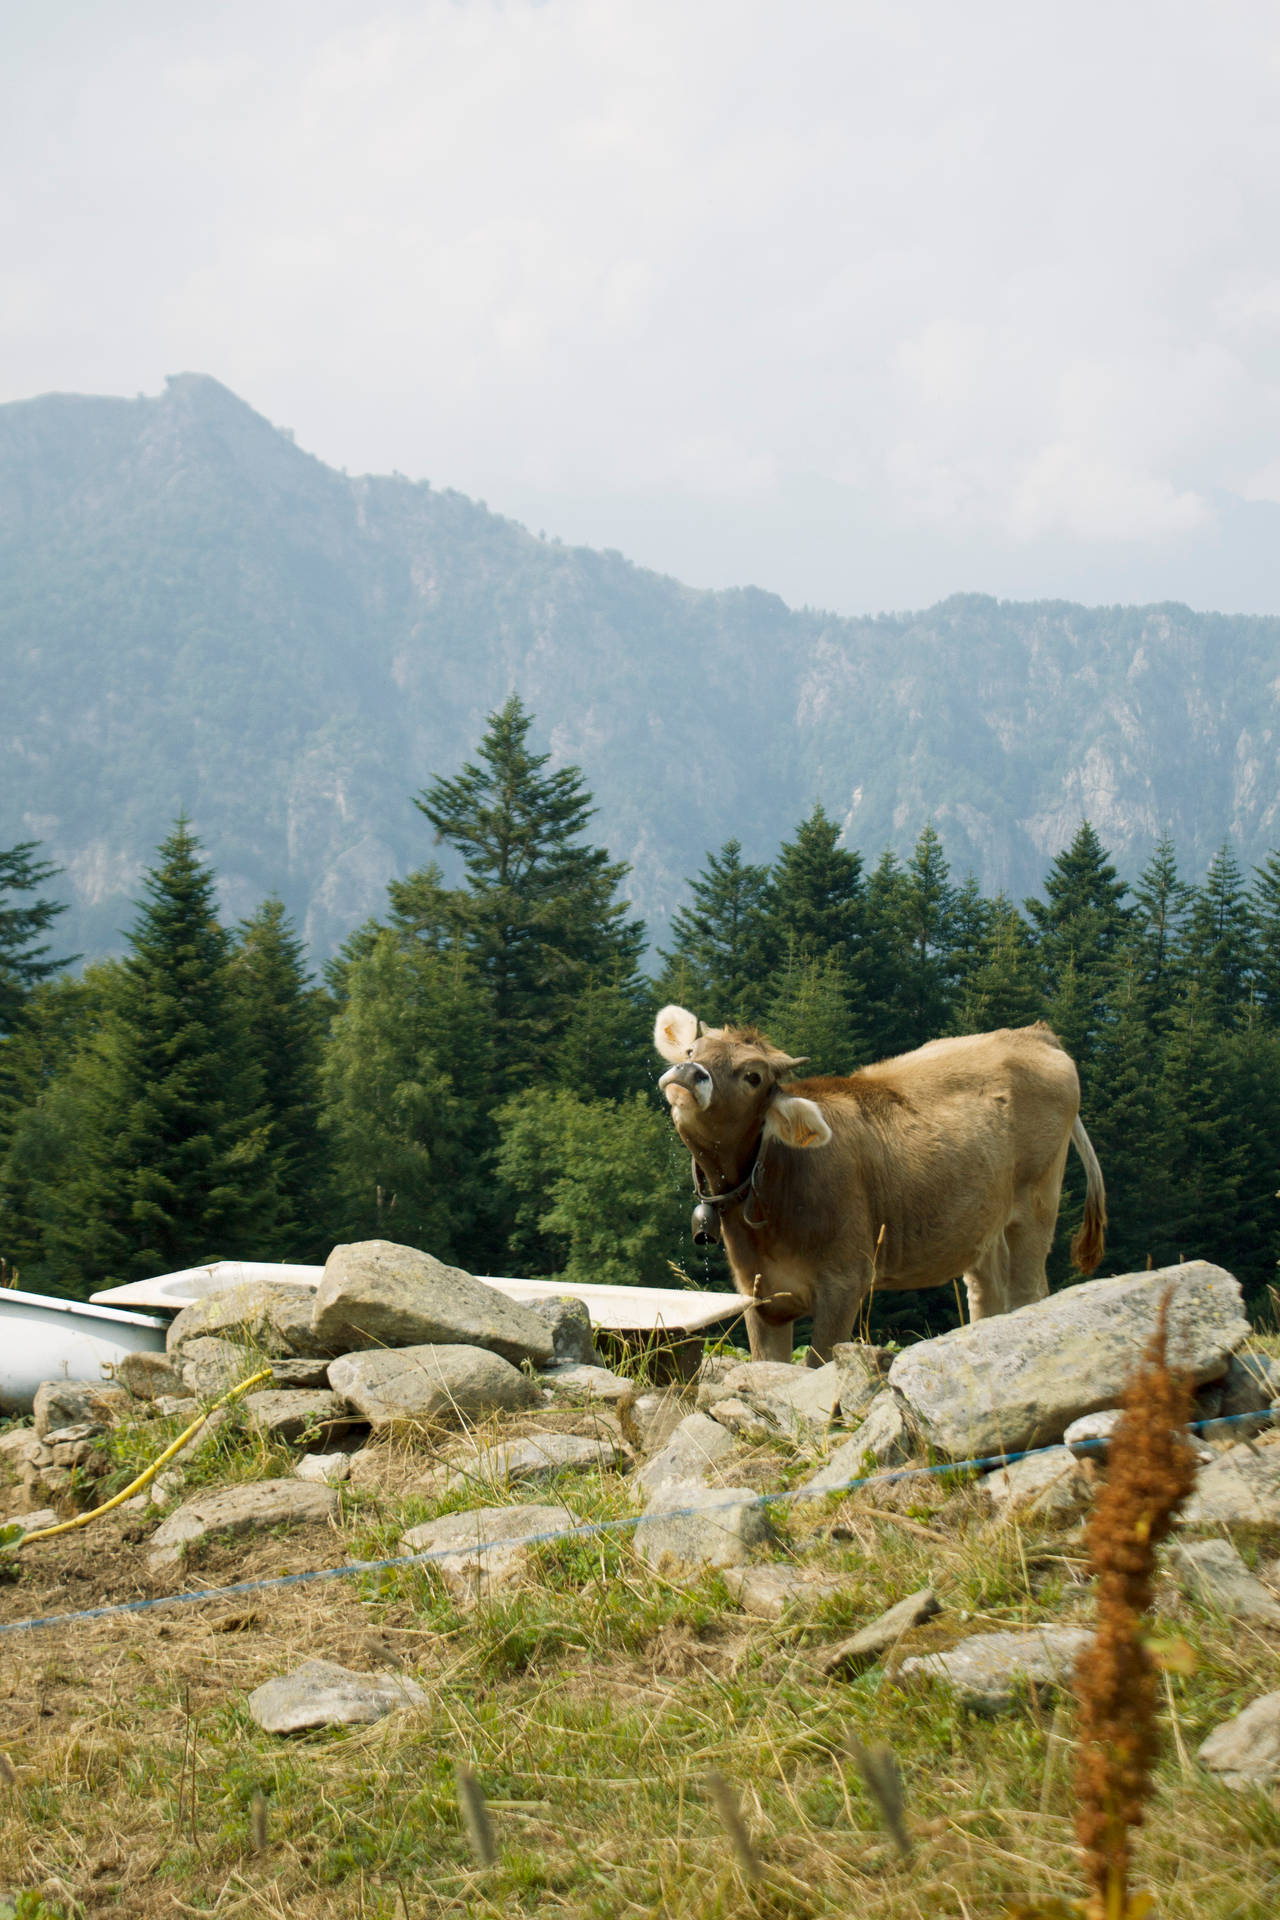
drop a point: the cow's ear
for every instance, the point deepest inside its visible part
(796, 1122)
(674, 1032)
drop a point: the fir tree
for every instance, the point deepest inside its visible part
(1003, 989)
(1264, 904)
(1217, 950)
(538, 916)
(812, 1015)
(1161, 900)
(926, 905)
(718, 964)
(173, 1164)
(887, 1007)
(24, 960)
(1079, 926)
(818, 893)
(283, 1020)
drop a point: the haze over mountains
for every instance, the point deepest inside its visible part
(195, 614)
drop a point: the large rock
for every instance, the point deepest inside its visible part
(485, 1548)
(1240, 1487)
(1213, 1572)
(773, 1397)
(860, 1369)
(321, 1694)
(252, 1507)
(988, 1670)
(688, 1527)
(884, 1440)
(574, 1380)
(1245, 1751)
(1043, 1483)
(445, 1386)
(273, 1319)
(539, 1456)
(377, 1294)
(78, 1403)
(301, 1416)
(695, 1447)
(1019, 1379)
(148, 1376)
(211, 1366)
(648, 1420)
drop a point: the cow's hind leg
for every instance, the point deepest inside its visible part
(987, 1281)
(833, 1316)
(1029, 1240)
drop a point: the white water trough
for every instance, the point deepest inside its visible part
(653, 1310)
(42, 1338)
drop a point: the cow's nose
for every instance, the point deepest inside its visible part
(693, 1078)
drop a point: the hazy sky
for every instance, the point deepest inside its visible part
(864, 303)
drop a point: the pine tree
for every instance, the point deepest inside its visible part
(1217, 949)
(1079, 926)
(1264, 902)
(887, 1007)
(812, 1015)
(1161, 900)
(23, 963)
(926, 907)
(173, 1160)
(1004, 989)
(538, 916)
(283, 1020)
(818, 893)
(719, 961)
(1120, 1102)
(1194, 1145)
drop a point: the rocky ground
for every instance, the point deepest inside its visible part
(611, 1624)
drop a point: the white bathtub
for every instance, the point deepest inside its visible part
(42, 1338)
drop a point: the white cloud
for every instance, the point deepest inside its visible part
(1007, 276)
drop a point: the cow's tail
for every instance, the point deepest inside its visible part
(1087, 1247)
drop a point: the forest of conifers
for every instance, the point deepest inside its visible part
(475, 1074)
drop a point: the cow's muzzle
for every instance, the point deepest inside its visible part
(693, 1078)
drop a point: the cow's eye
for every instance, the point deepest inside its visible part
(751, 1077)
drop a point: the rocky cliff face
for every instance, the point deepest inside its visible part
(196, 614)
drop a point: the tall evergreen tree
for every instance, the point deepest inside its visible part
(818, 893)
(1080, 925)
(1264, 902)
(24, 957)
(1160, 904)
(538, 916)
(812, 1015)
(173, 1166)
(719, 960)
(927, 909)
(888, 1006)
(283, 1022)
(1217, 949)
(1003, 989)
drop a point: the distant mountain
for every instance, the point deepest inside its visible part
(196, 614)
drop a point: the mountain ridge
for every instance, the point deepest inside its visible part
(197, 614)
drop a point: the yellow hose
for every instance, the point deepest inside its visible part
(148, 1474)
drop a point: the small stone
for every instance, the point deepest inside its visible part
(1245, 1751)
(1244, 1400)
(689, 1526)
(851, 1461)
(31, 1522)
(1042, 1483)
(299, 1416)
(376, 1294)
(987, 1670)
(1240, 1487)
(330, 1469)
(689, 1455)
(486, 1548)
(770, 1592)
(648, 1420)
(148, 1375)
(252, 1507)
(1214, 1573)
(882, 1635)
(860, 1372)
(570, 1325)
(74, 1403)
(1089, 1438)
(430, 1385)
(773, 1398)
(18, 1446)
(539, 1456)
(321, 1694)
(743, 1421)
(178, 1405)
(289, 1374)
(574, 1381)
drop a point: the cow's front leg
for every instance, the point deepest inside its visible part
(769, 1339)
(834, 1309)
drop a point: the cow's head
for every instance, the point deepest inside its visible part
(724, 1090)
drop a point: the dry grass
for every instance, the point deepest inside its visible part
(592, 1708)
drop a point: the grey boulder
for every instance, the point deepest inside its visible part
(485, 1548)
(250, 1508)
(1245, 1751)
(78, 1403)
(539, 1456)
(1240, 1487)
(570, 1326)
(322, 1694)
(303, 1415)
(988, 1670)
(444, 1386)
(695, 1447)
(576, 1380)
(148, 1376)
(771, 1398)
(1019, 1379)
(882, 1635)
(771, 1592)
(688, 1527)
(1043, 1483)
(273, 1319)
(377, 1294)
(211, 1366)
(1213, 1572)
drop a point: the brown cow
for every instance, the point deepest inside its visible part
(943, 1162)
